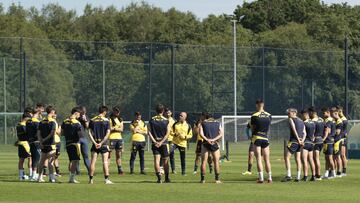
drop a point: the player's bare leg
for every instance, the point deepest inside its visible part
(216, 158)
(204, 160)
(259, 164)
(92, 167)
(338, 163)
(118, 156)
(266, 155)
(157, 167)
(312, 165)
(298, 165)
(287, 157)
(197, 162)
(105, 158)
(344, 160)
(304, 156)
(166, 169)
(251, 155)
(317, 164)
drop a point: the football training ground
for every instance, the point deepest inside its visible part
(142, 188)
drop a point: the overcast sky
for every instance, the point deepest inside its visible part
(201, 8)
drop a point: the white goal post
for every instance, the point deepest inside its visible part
(234, 126)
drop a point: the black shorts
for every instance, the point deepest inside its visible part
(58, 148)
(318, 147)
(138, 146)
(73, 151)
(337, 147)
(24, 150)
(102, 150)
(328, 148)
(198, 147)
(163, 150)
(116, 144)
(293, 147)
(309, 146)
(261, 143)
(48, 148)
(210, 147)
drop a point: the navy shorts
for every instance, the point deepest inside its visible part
(198, 146)
(58, 148)
(116, 144)
(293, 147)
(337, 147)
(24, 151)
(210, 147)
(261, 143)
(318, 147)
(138, 146)
(163, 150)
(102, 150)
(328, 148)
(73, 151)
(309, 146)
(48, 148)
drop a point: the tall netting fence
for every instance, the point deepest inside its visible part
(191, 78)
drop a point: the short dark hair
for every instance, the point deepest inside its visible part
(103, 109)
(304, 111)
(26, 115)
(39, 105)
(334, 109)
(76, 109)
(49, 109)
(137, 113)
(339, 107)
(259, 101)
(324, 109)
(207, 115)
(28, 110)
(116, 108)
(159, 108)
(311, 109)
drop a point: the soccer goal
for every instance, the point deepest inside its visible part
(235, 130)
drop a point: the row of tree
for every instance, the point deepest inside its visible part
(291, 53)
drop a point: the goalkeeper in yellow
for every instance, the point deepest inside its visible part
(181, 133)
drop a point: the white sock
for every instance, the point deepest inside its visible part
(298, 175)
(30, 172)
(261, 176)
(326, 173)
(288, 173)
(334, 173)
(269, 176)
(21, 173)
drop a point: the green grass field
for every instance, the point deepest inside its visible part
(142, 188)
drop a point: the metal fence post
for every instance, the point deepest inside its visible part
(173, 76)
(5, 107)
(346, 63)
(24, 81)
(263, 73)
(103, 78)
(20, 73)
(150, 93)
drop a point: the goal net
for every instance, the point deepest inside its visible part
(235, 130)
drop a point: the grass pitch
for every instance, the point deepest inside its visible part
(142, 188)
